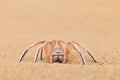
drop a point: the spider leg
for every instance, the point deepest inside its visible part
(69, 47)
(47, 48)
(51, 49)
(39, 50)
(41, 54)
(86, 51)
(62, 48)
(80, 52)
(36, 55)
(29, 47)
(59, 42)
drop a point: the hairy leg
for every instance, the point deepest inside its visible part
(29, 47)
(80, 52)
(41, 54)
(39, 50)
(62, 48)
(86, 51)
(69, 47)
(47, 47)
(61, 45)
(51, 49)
(36, 55)
(61, 41)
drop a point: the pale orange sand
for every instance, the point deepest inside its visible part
(94, 23)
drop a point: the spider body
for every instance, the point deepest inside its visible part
(57, 55)
(55, 51)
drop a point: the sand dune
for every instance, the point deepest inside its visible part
(94, 23)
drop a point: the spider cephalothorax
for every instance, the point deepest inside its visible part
(55, 51)
(57, 55)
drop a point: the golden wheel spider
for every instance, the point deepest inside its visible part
(55, 52)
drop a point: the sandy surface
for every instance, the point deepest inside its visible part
(94, 23)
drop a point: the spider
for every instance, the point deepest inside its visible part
(55, 52)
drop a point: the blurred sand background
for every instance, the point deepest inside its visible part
(94, 23)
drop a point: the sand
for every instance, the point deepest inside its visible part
(94, 23)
